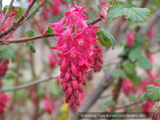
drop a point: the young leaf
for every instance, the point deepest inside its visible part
(144, 63)
(115, 12)
(33, 48)
(108, 39)
(119, 73)
(68, 1)
(30, 33)
(153, 93)
(143, 97)
(134, 14)
(50, 30)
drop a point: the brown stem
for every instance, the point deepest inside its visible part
(114, 1)
(0, 5)
(117, 90)
(6, 14)
(15, 24)
(26, 39)
(14, 98)
(135, 103)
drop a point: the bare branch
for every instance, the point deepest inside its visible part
(114, 1)
(26, 39)
(135, 103)
(29, 84)
(14, 25)
(6, 14)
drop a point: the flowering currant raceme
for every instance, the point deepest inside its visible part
(4, 98)
(78, 52)
(3, 67)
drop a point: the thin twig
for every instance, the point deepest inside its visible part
(29, 84)
(27, 18)
(135, 103)
(6, 14)
(15, 24)
(114, 1)
(26, 39)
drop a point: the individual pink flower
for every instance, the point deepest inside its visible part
(127, 86)
(104, 12)
(52, 60)
(75, 16)
(4, 98)
(49, 104)
(130, 38)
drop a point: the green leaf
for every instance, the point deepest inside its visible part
(153, 93)
(119, 73)
(130, 12)
(157, 80)
(108, 39)
(144, 63)
(135, 53)
(142, 98)
(33, 48)
(6, 53)
(129, 67)
(50, 30)
(115, 12)
(68, 1)
(135, 14)
(30, 33)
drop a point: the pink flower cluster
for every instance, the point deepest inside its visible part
(147, 106)
(55, 10)
(130, 38)
(57, 7)
(49, 105)
(3, 67)
(127, 86)
(4, 98)
(78, 52)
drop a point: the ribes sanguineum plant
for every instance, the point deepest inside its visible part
(78, 52)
